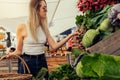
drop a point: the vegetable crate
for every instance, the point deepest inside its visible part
(109, 45)
(57, 59)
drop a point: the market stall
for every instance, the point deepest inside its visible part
(94, 54)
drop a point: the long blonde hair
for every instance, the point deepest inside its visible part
(34, 19)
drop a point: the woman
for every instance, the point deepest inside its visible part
(32, 36)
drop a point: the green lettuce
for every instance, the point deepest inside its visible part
(99, 67)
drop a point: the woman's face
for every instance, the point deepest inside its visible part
(43, 10)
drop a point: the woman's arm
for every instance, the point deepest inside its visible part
(55, 45)
(20, 36)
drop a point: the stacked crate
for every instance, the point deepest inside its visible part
(9, 65)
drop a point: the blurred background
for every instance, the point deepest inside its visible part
(61, 14)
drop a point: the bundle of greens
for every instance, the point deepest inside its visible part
(63, 72)
(99, 67)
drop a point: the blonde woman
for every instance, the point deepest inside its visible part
(32, 36)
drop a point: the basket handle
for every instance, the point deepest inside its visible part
(22, 60)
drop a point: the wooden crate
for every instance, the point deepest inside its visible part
(58, 59)
(4, 65)
(109, 45)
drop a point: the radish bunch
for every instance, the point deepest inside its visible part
(94, 5)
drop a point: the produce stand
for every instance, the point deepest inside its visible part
(109, 45)
(109, 48)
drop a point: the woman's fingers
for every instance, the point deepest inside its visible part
(10, 55)
(77, 32)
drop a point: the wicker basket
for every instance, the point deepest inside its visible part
(16, 76)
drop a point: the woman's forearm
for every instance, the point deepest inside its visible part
(62, 42)
(55, 45)
(16, 52)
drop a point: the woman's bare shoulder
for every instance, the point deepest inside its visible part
(21, 29)
(21, 26)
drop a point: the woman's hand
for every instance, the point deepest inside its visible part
(9, 53)
(76, 32)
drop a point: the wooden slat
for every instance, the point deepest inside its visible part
(117, 52)
(62, 58)
(5, 62)
(56, 63)
(6, 68)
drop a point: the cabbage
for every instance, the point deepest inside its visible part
(89, 37)
(105, 24)
(99, 66)
(79, 69)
